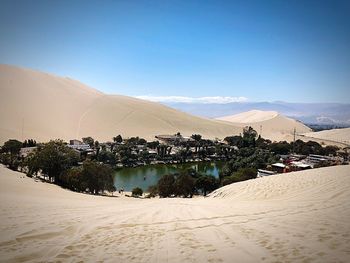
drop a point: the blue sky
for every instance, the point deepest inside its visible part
(295, 51)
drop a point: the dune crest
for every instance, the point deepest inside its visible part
(43, 106)
(337, 135)
(270, 124)
(250, 116)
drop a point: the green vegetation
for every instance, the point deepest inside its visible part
(58, 163)
(90, 169)
(136, 192)
(55, 157)
(206, 184)
(312, 147)
(91, 177)
(29, 143)
(118, 139)
(88, 140)
(166, 185)
(10, 153)
(185, 184)
(241, 175)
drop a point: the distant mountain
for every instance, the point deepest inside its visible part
(309, 113)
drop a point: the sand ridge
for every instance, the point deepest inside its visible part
(294, 217)
(43, 106)
(250, 116)
(269, 124)
(337, 135)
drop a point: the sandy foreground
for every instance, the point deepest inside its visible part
(296, 217)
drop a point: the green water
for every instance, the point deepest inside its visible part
(145, 176)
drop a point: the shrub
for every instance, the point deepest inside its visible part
(241, 175)
(152, 191)
(9, 153)
(92, 177)
(166, 185)
(137, 192)
(184, 185)
(207, 183)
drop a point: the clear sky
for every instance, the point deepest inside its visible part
(295, 51)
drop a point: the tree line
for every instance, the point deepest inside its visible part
(244, 154)
(59, 164)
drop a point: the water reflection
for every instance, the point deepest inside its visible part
(145, 176)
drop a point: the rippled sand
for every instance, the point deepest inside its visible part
(296, 217)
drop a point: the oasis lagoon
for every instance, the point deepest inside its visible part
(148, 175)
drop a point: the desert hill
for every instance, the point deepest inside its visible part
(272, 125)
(43, 107)
(337, 135)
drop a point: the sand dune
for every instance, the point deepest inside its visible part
(337, 135)
(296, 217)
(43, 106)
(272, 125)
(251, 116)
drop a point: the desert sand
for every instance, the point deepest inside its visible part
(251, 116)
(270, 124)
(336, 135)
(296, 217)
(41, 106)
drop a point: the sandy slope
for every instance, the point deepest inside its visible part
(42, 106)
(296, 217)
(250, 116)
(338, 135)
(273, 126)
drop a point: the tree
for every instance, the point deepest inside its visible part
(262, 143)
(55, 157)
(153, 191)
(234, 141)
(315, 147)
(118, 139)
(166, 185)
(280, 147)
(241, 175)
(184, 185)
(153, 145)
(330, 150)
(137, 192)
(89, 141)
(125, 154)
(305, 148)
(196, 137)
(29, 143)
(31, 161)
(10, 151)
(97, 147)
(97, 177)
(73, 179)
(107, 157)
(92, 177)
(182, 155)
(206, 183)
(136, 141)
(249, 136)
